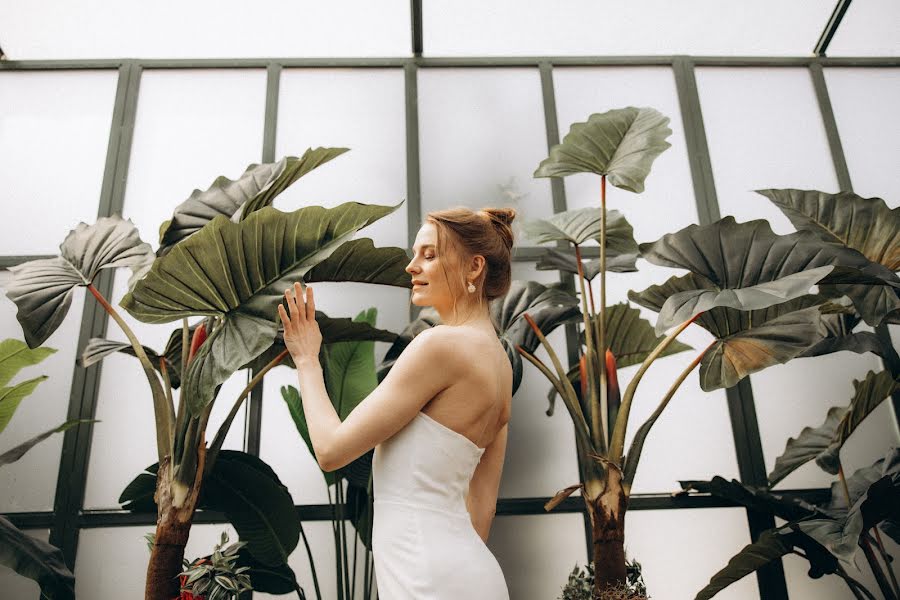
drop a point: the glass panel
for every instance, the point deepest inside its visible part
(667, 203)
(40, 130)
(323, 108)
(864, 103)
(764, 130)
(866, 30)
(30, 483)
(192, 126)
(123, 551)
(582, 27)
(15, 585)
(798, 394)
(679, 550)
(482, 135)
(209, 29)
(537, 552)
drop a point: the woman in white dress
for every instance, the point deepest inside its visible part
(438, 420)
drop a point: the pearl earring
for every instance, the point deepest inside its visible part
(471, 288)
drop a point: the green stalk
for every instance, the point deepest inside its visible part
(887, 562)
(312, 564)
(856, 587)
(165, 433)
(597, 438)
(617, 444)
(601, 351)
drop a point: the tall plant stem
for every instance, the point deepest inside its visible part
(887, 562)
(856, 587)
(165, 433)
(312, 564)
(226, 424)
(597, 436)
(617, 444)
(601, 351)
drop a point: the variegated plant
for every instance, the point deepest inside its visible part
(747, 286)
(226, 256)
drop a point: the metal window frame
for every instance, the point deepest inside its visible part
(69, 516)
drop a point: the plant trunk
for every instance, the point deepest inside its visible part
(173, 526)
(607, 512)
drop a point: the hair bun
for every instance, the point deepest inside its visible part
(504, 216)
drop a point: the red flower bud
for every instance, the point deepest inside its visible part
(197, 340)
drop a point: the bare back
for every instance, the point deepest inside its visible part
(478, 404)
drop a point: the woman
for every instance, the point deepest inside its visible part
(438, 420)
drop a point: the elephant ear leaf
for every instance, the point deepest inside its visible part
(238, 199)
(42, 289)
(864, 224)
(580, 225)
(631, 339)
(36, 560)
(620, 144)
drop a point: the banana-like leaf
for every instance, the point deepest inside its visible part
(239, 271)
(738, 255)
(566, 261)
(620, 144)
(11, 456)
(250, 494)
(15, 355)
(864, 224)
(12, 396)
(580, 225)
(37, 560)
(42, 289)
(236, 200)
(746, 341)
(823, 443)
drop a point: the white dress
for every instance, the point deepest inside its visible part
(423, 541)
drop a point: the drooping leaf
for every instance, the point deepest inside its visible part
(12, 396)
(36, 560)
(864, 224)
(15, 355)
(734, 255)
(42, 289)
(236, 200)
(860, 481)
(360, 261)
(839, 323)
(565, 260)
(620, 144)
(267, 579)
(580, 225)
(789, 508)
(239, 271)
(11, 456)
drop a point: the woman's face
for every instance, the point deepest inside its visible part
(429, 281)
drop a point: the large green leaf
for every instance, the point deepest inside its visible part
(250, 494)
(746, 341)
(239, 271)
(789, 508)
(42, 289)
(620, 144)
(360, 261)
(583, 224)
(37, 560)
(236, 200)
(631, 338)
(734, 255)
(11, 456)
(864, 224)
(279, 579)
(12, 396)
(15, 355)
(823, 443)
(566, 261)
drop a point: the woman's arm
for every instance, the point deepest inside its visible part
(427, 366)
(485, 485)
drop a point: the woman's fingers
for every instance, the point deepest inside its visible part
(298, 300)
(310, 304)
(285, 320)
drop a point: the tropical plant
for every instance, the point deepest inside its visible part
(227, 256)
(581, 585)
(746, 285)
(28, 556)
(216, 577)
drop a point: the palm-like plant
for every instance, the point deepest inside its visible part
(746, 286)
(226, 256)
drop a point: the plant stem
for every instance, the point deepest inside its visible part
(165, 434)
(312, 564)
(168, 387)
(601, 352)
(856, 587)
(887, 562)
(617, 444)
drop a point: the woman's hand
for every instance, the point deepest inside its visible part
(301, 332)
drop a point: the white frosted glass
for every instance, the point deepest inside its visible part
(191, 127)
(582, 27)
(123, 551)
(764, 130)
(537, 552)
(323, 108)
(206, 29)
(18, 586)
(541, 458)
(798, 394)
(864, 103)
(48, 119)
(692, 439)
(667, 203)
(868, 29)
(679, 550)
(481, 136)
(124, 403)
(29, 484)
